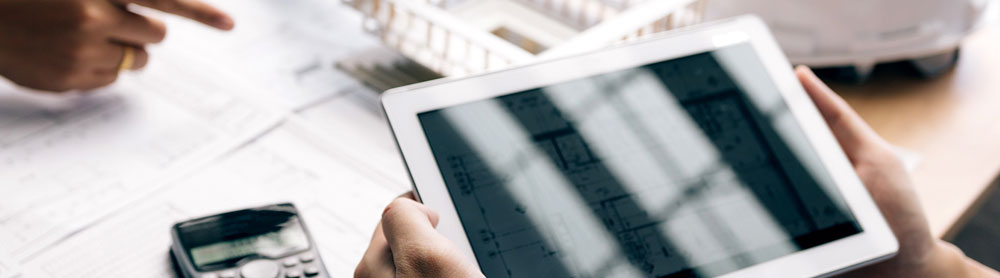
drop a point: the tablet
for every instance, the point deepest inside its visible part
(695, 154)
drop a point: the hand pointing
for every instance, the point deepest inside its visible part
(61, 45)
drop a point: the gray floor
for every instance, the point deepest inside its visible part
(980, 238)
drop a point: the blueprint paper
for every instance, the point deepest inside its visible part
(355, 119)
(8, 269)
(289, 48)
(66, 167)
(89, 183)
(340, 207)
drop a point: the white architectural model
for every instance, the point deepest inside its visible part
(864, 33)
(458, 37)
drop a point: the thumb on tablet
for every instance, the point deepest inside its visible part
(853, 134)
(405, 220)
(889, 185)
(418, 250)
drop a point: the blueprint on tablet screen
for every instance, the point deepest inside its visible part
(672, 169)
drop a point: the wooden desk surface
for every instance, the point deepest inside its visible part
(952, 122)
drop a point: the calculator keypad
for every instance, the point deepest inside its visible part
(290, 262)
(307, 257)
(293, 273)
(304, 265)
(260, 269)
(312, 271)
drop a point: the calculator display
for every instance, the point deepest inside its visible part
(225, 240)
(271, 244)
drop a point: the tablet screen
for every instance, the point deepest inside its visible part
(689, 167)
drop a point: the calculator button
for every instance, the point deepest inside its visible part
(307, 257)
(260, 269)
(289, 262)
(293, 273)
(312, 271)
(227, 274)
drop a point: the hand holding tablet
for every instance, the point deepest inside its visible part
(920, 254)
(688, 156)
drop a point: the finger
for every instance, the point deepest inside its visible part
(377, 261)
(851, 131)
(418, 250)
(406, 214)
(409, 195)
(108, 57)
(193, 9)
(406, 221)
(97, 79)
(114, 57)
(140, 58)
(136, 29)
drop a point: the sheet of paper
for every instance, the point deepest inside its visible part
(339, 205)
(89, 180)
(68, 162)
(8, 269)
(354, 119)
(288, 48)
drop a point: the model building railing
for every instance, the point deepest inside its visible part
(459, 37)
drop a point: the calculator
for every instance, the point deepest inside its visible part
(264, 242)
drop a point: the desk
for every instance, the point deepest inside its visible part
(952, 122)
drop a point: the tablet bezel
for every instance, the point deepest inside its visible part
(402, 106)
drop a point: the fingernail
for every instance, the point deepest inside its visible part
(224, 22)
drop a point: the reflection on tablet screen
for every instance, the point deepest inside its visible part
(684, 168)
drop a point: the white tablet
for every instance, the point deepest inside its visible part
(695, 154)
